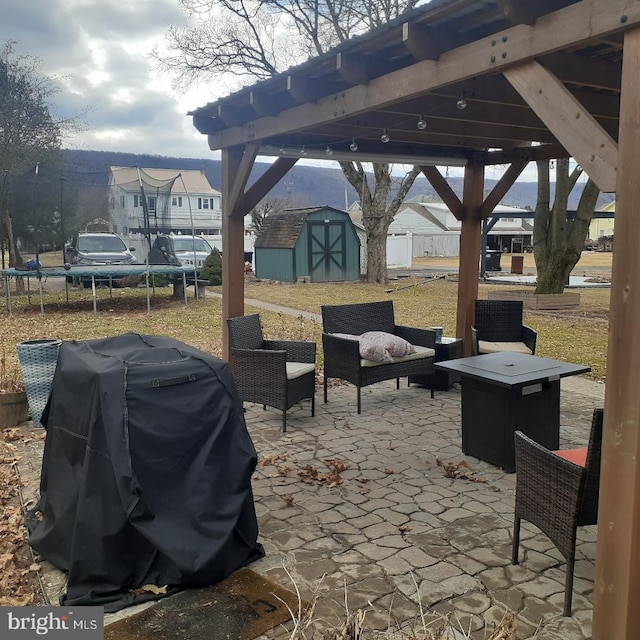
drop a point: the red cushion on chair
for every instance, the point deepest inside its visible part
(577, 456)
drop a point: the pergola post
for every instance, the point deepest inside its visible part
(616, 614)
(232, 244)
(471, 230)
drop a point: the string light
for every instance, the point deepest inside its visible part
(303, 151)
(422, 123)
(385, 136)
(462, 102)
(329, 151)
(354, 145)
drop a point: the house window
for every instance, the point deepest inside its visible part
(176, 201)
(151, 203)
(122, 202)
(137, 201)
(112, 202)
(209, 203)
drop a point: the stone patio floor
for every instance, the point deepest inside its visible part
(360, 505)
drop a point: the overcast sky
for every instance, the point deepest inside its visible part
(98, 50)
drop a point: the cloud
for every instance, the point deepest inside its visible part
(98, 53)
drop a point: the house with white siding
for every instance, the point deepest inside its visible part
(162, 201)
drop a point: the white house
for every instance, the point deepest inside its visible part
(435, 231)
(163, 201)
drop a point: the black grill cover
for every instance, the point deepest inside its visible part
(146, 475)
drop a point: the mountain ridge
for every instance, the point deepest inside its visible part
(303, 186)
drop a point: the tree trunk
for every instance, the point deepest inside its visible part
(377, 210)
(15, 259)
(557, 241)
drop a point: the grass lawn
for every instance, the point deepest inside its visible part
(578, 335)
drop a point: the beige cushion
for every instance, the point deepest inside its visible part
(496, 347)
(420, 352)
(297, 369)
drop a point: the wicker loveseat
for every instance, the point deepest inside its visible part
(342, 352)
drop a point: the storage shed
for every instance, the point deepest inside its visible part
(317, 243)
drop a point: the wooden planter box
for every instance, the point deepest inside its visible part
(14, 408)
(539, 301)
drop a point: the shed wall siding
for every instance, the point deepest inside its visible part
(274, 264)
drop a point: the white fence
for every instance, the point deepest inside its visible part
(399, 251)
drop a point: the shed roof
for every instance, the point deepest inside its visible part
(281, 230)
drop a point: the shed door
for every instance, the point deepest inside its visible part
(327, 251)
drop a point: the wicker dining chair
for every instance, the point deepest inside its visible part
(275, 373)
(498, 326)
(557, 491)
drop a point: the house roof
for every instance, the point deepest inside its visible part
(281, 230)
(178, 182)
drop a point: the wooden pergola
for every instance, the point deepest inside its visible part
(538, 79)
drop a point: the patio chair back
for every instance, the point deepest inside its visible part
(499, 320)
(357, 319)
(245, 332)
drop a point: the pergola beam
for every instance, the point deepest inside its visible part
(442, 188)
(576, 24)
(503, 185)
(569, 121)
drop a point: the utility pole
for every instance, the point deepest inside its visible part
(64, 251)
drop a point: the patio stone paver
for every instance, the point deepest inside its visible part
(395, 531)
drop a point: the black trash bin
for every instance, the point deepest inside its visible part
(492, 260)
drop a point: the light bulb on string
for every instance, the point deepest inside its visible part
(385, 136)
(462, 102)
(329, 151)
(422, 123)
(354, 145)
(303, 151)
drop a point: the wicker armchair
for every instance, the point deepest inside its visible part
(498, 327)
(277, 373)
(557, 491)
(342, 356)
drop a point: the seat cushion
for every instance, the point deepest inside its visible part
(420, 352)
(297, 369)
(577, 456)
(496, 347)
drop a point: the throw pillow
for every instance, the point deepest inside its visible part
(395, 346)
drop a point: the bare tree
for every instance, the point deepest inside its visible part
(256, 39)
(265, 208)
(557, 241)
(28, 131)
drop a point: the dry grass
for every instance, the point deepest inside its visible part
(578, 335)
(307, 625)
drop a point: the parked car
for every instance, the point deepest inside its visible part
(98, 249)
(183, 250)
(95, 249)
